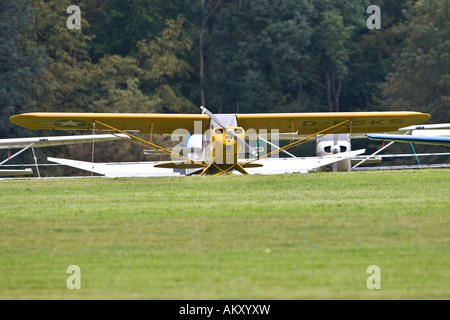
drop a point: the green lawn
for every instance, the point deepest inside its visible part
(297, 236)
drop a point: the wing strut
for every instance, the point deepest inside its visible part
(314, 136)
(22, 150)
(378, 151)
(274, 145)
(149, 144)
(206, 169)
(36, 162)
(17, 153)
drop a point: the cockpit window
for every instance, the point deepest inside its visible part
(238, 131)
(219, 131)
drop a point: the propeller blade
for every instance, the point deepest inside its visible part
(229, 131)
(212, 116)
(244, 144)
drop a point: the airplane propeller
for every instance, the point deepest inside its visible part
(229, 131)
(335, 150)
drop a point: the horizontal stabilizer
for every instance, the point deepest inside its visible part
(196, 165)
(179, 165)
(252, 165)
(181, 151)
(300, 164)
(119, 169)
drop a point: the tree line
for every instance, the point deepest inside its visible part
(231, 56)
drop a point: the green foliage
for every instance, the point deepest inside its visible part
(63, 85)
(145, 82)
(120, 24)
(115, 81)
(237, 55)
(421, 76)
(19, 61)
(261, 47)
(164, 68)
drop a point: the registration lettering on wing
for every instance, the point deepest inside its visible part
(361, 122)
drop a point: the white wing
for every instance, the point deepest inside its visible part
(38, 142)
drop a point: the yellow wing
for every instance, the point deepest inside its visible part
(310, 123)
(303, 123)
(143, 122)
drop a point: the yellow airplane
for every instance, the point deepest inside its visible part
(223, 134)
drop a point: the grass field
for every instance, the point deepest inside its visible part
(229, 237)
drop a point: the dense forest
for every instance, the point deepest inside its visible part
(231, 56)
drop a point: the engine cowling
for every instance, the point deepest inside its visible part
(334, 144)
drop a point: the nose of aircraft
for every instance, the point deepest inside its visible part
(335, 149)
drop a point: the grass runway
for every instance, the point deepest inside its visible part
(298, 236)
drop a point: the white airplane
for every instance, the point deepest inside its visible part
(39, 142)
(160, 168)
(433, 134)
